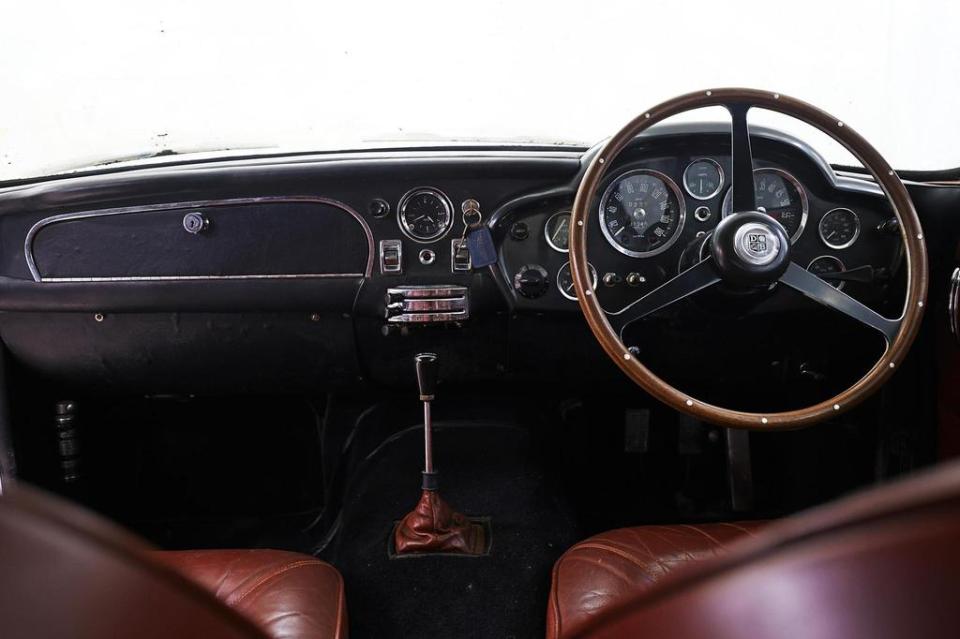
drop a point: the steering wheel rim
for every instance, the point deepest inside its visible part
(899, 333)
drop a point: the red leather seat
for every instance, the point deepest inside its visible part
(610, 568)
(286, 594)
(66, 573)
(881, 564)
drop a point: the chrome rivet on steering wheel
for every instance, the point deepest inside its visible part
(764, 420)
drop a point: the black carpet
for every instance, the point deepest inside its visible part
(486, 470)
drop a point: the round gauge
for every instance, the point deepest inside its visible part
(425, 214)
(642, 213)
(703, 179)
(780, 196)
(839, 228)
(565, 281)
(826, 264)
(557, 231)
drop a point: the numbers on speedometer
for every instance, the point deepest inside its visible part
(780, 196)
(642, 213)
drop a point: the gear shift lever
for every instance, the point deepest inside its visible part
(433, 526)
(427, 371)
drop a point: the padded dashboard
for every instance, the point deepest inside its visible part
(101, 283)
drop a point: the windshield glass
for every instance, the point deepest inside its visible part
(91, 82)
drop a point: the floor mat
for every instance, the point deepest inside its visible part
(486, 470)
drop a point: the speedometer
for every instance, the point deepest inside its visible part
(642, 213)
(780, 196)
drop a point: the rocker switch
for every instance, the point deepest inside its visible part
(391, 256)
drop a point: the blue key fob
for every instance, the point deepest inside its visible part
(481, 247)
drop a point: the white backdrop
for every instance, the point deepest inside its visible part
(84, 82)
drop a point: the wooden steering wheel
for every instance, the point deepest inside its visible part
(749, 248)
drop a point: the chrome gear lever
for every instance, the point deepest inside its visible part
(427, 373)
(433, 526)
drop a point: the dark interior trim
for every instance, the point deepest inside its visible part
(127, 210)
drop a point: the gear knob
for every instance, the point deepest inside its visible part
(427, 369)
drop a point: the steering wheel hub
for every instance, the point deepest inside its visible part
(750, 249)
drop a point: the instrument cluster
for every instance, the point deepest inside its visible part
(655, 215)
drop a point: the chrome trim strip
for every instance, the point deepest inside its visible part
(427, 304)
(201, 278)
(64, 217)
(953, 303)
(844, 182)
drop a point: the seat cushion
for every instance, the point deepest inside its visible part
(287, 594)
(613, 566)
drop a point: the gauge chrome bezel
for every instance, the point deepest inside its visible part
(720, 184)
(726, 205)
(546, 229)
(402, 213)
(676, 192)
(827, 256)
(856, 233)
(593, 277)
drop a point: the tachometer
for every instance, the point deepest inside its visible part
(780, 196)
(425, 214)
(642, 213)
(839, 228)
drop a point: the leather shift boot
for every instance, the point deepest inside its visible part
(434, 527)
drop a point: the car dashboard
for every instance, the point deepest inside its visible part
(326, 270)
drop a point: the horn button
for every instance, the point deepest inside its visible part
(750, 249)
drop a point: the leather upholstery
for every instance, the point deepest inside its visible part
(605, 570)
(67, 573)
(881, 564)
(433, 526)
(287, 594)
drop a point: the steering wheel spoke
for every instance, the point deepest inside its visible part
(696, 278)
(802, 280)
(744, 197)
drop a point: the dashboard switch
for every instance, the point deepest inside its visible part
(391, 256)
(635, 279)
(611, 279)
(520, 231)
(460, 261)
(531, 281)
(379, 208)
